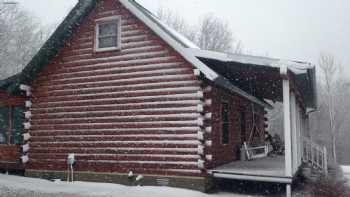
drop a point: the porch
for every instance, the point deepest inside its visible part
(288, 83)
(268, 169)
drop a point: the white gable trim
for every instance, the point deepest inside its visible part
(295, 67)
(209, 73)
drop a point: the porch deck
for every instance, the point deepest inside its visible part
(268, 169)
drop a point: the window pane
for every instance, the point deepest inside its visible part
(224, 111)
(4, 124)
(225, 133)
(243, 127)
(107, 42)
(108, 29)
(17, 118)
(225, 126)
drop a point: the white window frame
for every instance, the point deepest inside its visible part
(100, 21)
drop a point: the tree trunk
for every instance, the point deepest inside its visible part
(334, 149)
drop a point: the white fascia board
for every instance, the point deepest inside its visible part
(295, 67)
(287, 180)
(209, 73)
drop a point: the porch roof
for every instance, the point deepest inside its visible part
(260, 76)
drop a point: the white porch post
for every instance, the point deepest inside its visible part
(300, 136)
(294, 133)
(287, 128)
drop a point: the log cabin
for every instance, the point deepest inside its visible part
(125, 93)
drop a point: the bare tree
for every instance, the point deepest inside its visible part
(334, 107)
(212, 33)
(20, 38)
(215, 34)
(176, 22)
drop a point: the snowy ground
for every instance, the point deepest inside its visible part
(14, 186)
(346, 170)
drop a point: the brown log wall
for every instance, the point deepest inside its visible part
(226, 153)
(133, 109)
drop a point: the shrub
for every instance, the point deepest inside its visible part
(333, 185)
(330, 187)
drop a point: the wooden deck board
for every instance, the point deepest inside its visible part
(270, 169)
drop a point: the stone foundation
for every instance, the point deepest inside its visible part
(203, 184)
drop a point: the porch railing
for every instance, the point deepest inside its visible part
(316, 155)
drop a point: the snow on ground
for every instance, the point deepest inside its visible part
(15, 186)
(346, 170)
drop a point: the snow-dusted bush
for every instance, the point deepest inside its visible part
(330, 187)
(333, 185)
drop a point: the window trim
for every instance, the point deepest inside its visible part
(222, 122)
(10, 119)
(105, 20)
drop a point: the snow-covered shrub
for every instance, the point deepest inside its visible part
(330, 187)
(333, 185)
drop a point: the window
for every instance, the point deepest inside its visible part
(17, 122)
(11, 121)
(4, 124)
(225, 124)
(243, 127)
(256, 128)
(108, 32)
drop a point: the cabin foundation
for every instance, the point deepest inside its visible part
(203, 184)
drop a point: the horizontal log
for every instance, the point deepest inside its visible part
(116, 79)
(114, 157)
(146, 99)
(173, 106)
(123, 125)
(118, 95)
(109, 138)
(188, 118)
(125, 131)
(149, 87)
(113, 150)
(136, 47)
(112, 113)
(110, 65)
(160, 144)
(67, 73)
(119, 76)
(98, 84)
(121, 58)
(124, 52)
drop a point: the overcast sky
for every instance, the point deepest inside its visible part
(288, 29)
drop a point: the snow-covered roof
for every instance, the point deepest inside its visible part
(294, 66)
(305, 72)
